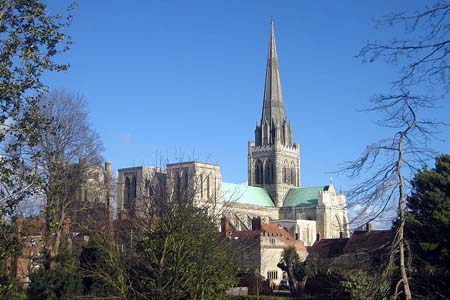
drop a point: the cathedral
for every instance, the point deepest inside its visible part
(274, 193)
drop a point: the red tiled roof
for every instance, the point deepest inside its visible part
(277, 231)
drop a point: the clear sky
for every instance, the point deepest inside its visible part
(186, 78)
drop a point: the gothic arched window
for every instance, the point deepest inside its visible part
(293, 174)
(286, 173)
(208, 187)
(268, 172)
(133, 188)
(126, 193)
(258, 172)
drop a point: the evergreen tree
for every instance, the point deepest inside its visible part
(428, 227)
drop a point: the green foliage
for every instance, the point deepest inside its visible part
(291, 259)
(10, 245)
(30, 38)
(428, 227)
(265, 297)
(64, 282)
(184, 257)
(297, 271)
(311, 265)
(358, 285)
(105, 269)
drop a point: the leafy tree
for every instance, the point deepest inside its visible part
(183, 256)
(105, 269)
(30, 38)
(291, 264)
(428, 225)
(297, 271)
(63, 282)
(169, 249)
(10, 246)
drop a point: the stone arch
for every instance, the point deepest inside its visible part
(258, 172)
(266, 132)
(126, 193)
(268, 172)
(133, 189)
(286, 172)
(337, 226)
(130, 194)
(293, 173)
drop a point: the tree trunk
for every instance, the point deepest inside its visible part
(401, 208)
(293, 286)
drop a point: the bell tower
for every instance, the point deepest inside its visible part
(273, 158)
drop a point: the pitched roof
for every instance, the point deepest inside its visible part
(329, 247)
(280, 233)
(245, 194)
(361, 241)
(369, 241)
(303, 196)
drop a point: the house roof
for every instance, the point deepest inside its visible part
(245, 194)
(280, 233)
(369, 241)
(360, 241)
(303, 196)
(329, 247)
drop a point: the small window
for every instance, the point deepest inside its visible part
(272, 275)
(208, 188)
(201, 186)
(273, 241)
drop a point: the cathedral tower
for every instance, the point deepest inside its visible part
(273, 158)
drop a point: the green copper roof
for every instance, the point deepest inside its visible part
(245, 194)
(303, 196)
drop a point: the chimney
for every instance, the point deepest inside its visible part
(368, 227)
(108, 170)
(19, 224)
(256, 223)
(82, 161)
(66, 225)
(123, 214)
(225, 227)
(319, 237)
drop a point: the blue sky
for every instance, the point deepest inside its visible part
(185, 79)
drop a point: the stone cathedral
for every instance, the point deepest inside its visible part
(274, 192)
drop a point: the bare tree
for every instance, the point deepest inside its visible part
(386, 167)
(69, 147)
(422, 52)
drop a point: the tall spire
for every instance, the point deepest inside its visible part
(274, 127)
(273, 106)
(273, 158)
